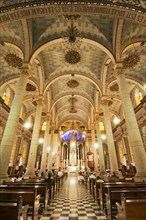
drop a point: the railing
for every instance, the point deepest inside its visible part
(133, 4)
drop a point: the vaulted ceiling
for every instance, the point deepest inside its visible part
(103, 39)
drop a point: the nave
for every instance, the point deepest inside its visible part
(73, 202)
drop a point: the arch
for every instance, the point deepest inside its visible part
(37, 9)
(68, 95)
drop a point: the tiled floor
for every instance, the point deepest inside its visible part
(73, 202)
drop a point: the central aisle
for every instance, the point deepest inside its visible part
(73, 202)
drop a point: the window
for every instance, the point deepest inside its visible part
(102, 126)
(44, 126)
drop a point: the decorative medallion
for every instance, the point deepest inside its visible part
(13, 60)
(30, 88)
(114, 88)
(131, 60)
(72, 100)
(72, 17)
(72, 57)
(72, 83)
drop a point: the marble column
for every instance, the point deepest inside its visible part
(132, 126)
(12, 122)
(109, 134)
(93, 148)
(35, 137)
(100, 148)
(45, 144)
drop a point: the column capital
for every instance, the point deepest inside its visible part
(48, 116)
(105, 100)
(92, 126)
(97, 116)
(119, 69)
(40, 100)
(26, 69)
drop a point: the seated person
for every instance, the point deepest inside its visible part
(92, 176)
(60, 173)
(80, 177)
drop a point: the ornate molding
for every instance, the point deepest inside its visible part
(92, 8)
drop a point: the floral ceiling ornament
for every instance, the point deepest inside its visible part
(72, 83)
(13, 60)
(72, 57)
(131, 60)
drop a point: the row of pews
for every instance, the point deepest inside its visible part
(28, 197)
(124, 200)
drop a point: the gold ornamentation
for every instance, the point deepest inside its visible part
(131, 60)
(13, 60)
(114, 88)
(72, 17)
(72, 83)
(72, 57)
(72, 33)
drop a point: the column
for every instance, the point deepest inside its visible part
(12, 122)
(132, 126)
(35, 137)
(100, 148)
(109, 134)
(52, 148)
(45, 144)
(93, 147)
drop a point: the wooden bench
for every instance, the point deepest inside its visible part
(13, 209)
(114, 195)
(131, 208)
(41, 189)
(30, 197)
(116, 185)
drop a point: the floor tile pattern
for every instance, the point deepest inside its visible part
(73, 202)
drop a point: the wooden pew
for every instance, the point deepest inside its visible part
(41, 189)
(116, 185)
(13, 209)
(30, 197)
(114, 195)
(131, 208)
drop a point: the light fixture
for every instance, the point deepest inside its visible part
(41, 140)
(116, 120)
(96, 145)
(103, 136)
(48, 149)
(27, 125)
